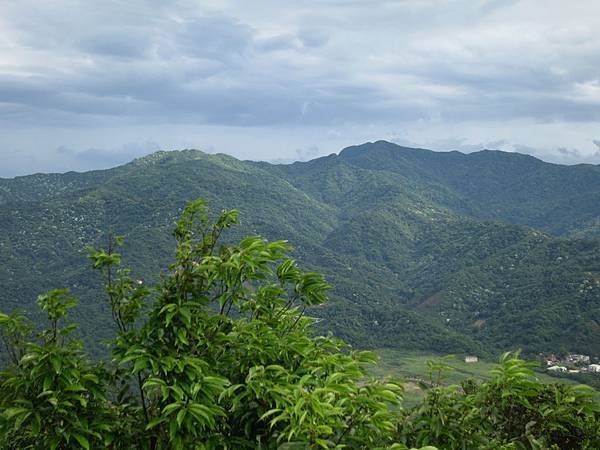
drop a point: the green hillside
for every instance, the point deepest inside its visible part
(509, 187)
(427, 251)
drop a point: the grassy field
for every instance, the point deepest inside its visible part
(412, 367)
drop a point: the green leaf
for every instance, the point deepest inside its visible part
(180, 417)
(9, 413)
(154, 422)
(82, 440)
(56, 364)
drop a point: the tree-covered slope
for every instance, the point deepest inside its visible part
(497, 185)
(425, 250)
(43, 242)
(502, 285)
(220, 354)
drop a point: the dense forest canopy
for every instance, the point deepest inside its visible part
(443, 252)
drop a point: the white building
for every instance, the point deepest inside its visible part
(557, 369)
(594, 368)
(471, 359)
(584, 359)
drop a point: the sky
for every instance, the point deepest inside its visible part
(92, 84)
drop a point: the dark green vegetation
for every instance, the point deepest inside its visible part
(414, 366)
(220, 354)
(442, 252)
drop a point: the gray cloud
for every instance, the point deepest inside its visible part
(460, 71)
(218, 37)
(63, 158)
(313, 37)
(99, 157)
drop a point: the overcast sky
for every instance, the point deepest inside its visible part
(91, 84)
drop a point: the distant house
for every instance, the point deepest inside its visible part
(557, 369)
(471, 359)
(578, 359)
(594, 368)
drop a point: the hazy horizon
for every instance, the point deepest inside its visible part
(280, 161)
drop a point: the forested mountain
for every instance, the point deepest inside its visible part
(439, 251)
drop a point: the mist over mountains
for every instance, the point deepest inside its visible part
(448, 252)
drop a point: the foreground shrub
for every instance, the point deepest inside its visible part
(514, 410)
(219, 354)
(223, 358)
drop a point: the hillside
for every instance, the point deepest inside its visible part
(435, 251)
(509, 187)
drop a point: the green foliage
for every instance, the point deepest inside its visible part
(220, 354)
(223, 358)
(512, 411)
(418, 245)
(51, 397)
(14, 331)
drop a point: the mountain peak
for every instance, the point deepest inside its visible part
(360, 150)
(168, 155)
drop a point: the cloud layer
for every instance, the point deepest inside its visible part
(267, 80)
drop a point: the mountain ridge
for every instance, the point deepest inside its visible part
(416, 261)
(381, 141)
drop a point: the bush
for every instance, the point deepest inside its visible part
(224, 358)
(220, 354)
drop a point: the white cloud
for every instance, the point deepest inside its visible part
(440, 71)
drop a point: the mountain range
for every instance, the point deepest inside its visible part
(437, 251)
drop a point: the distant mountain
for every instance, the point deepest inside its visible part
(508, 187)
(427, 250)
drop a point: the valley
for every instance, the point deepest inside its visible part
(427, 251)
